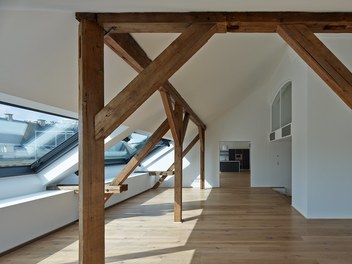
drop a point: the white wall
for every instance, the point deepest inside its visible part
(25, 218)
(292, 68)
(249, 121)
(329, 143)
(39, 62)
(321, 136)
(20, 185)
(235, 144)
(25, 221)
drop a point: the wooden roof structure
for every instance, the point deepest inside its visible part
(97, 120)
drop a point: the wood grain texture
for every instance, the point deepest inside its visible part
(108, 189)
(170, 113)
(178, 184)
(320, 59)
(184, 125)
(178, 161)
(256, 22)
(151, 78)
(91, 150)
(161, 173)
(231, 224)
(125, 46)
(202, 157)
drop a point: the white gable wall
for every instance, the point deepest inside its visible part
(321, 141)
(292, 68)
(329, 152)
(250, 121)
(329, 142)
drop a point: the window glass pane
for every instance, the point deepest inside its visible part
(275, 113)
(26, 135)
(126, 148)
(123, 151)
(286, 112)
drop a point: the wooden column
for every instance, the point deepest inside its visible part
(178, 165)
(178, 184)
(91, 150)
(202, 154)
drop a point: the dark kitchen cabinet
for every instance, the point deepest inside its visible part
(241, 155)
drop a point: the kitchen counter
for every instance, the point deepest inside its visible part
(229, 166)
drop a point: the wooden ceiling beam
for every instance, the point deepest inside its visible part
(151, 78)
(179, 122)
(170, 22)
(125, 46)
(185, 125)
(171, 117)
(320, 59)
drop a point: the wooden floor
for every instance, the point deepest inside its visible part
(232, 224)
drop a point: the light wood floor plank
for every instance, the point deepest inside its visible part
(232, 224)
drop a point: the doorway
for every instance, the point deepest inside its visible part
(234, 161)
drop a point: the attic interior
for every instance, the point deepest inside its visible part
(187, 83)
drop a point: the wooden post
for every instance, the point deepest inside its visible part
(178, 164)
(202, 153)
(178, 185)
(91, 150)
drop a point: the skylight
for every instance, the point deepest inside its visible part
(26, 135)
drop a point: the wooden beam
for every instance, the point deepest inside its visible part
(202, 157)
(185, 125)
(161, 173)
(91, 150)
(125, 46)
(255, 22)
(151, 78)
(165, 97)
(320, 59)
(175, 118)
(108, 189)
(159, 182)
(179, 121)
(140, 155)
(172, 166)
(178, 184)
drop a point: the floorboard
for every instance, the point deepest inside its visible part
(231, 224)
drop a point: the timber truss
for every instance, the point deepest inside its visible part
(98, 121)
